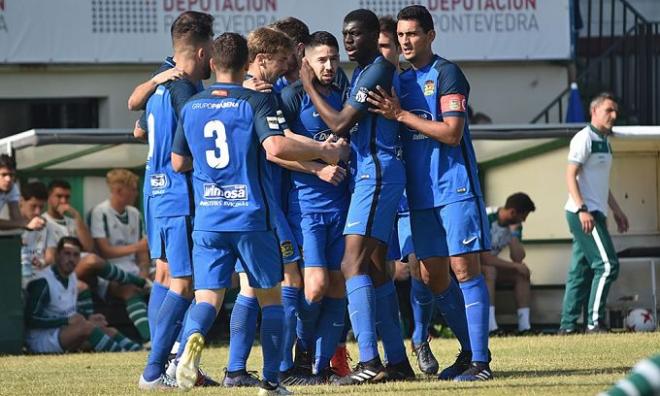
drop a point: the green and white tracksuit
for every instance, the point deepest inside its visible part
(594, 264)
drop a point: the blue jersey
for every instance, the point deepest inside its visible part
(309, 194)
(438, 174)
(375, 140)
(169, 191)
(222, 129)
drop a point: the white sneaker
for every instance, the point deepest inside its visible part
(162, 382)
(186, 370)
(171, 369)
(269, 389)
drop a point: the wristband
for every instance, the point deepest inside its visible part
(582, 208)
(516, 234)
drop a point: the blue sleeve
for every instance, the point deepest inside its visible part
(180, 144)
(453, 92)
(378, 73)
(266, 119)
(342, 82)
(290, 104)
(142, 122)
(180, 92)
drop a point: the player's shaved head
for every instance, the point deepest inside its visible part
(417, 13)
(230, 52)
(366, 18)
(268, 41)
(191, 29)
(296, 29)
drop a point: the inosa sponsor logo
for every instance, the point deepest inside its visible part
(233, 192)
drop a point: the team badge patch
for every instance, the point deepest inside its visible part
(361, 95)
(429, 88)
(286, 248)
(220, 92)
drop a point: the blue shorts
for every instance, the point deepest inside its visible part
(322, 238)
(288, 244)
(289, 250)
(215, 255)
(169, 239)
(401, 244)
(373, 210)
(450, 230)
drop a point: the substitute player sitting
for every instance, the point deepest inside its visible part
(53, 324)
(224, 135)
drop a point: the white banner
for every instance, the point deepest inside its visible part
(137, 31)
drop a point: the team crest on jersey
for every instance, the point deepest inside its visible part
(286, 248)
(429, 88)
(220, 92)
(233, 192)
(361, 95)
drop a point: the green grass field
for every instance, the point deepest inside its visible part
(552, 365)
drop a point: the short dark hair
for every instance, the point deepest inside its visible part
(418, 13)
(388, 26)
(230, 51)
(68, 240)
(368, 19)
(322, 38)
(296, 29)
(521, 202)
(192, 28)
(58, 183)
(7, 161)
(35, 189)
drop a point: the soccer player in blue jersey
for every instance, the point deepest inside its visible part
(316, 213)
(298, 31)
(166, 193)
(378, 179)
(448, 217)
(269, 49)
(225, 134)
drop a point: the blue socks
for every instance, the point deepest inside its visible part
(166, 330)
(477, 304)
(421, 301)
(361, 310)
(200, 319)
(156, 297)
(242, 331)
(308, 317)
(452, 307)
(290, 304)
(329, 331)
(272, 321)
(388, 323)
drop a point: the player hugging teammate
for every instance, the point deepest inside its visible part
(271, 175)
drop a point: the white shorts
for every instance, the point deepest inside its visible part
(44, 340)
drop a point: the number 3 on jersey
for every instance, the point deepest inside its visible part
(217, 158)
